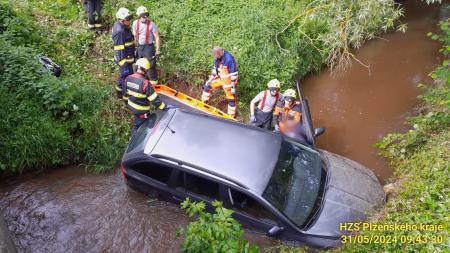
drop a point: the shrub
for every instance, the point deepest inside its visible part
(49, 121)
(217, 232)
(270, 39)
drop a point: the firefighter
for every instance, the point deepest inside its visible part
(268, 99)
(287, 116)
(146, 35)
(93, 9)
(139, 93)
(123, 41)
(225, 76)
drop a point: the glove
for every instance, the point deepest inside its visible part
(207, 84)
(277, 129)
(233, 90)
(252, 119)
(168, 107)
(126, 72)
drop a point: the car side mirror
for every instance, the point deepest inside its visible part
(275, 231)
(318, 131)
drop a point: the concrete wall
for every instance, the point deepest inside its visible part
(6, 242)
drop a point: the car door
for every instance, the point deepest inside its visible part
(197, 188)
(249, 211)
(152, 178)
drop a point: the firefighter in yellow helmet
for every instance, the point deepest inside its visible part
(287, 114)
(139, 93)
(267, 101)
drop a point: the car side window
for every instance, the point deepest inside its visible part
(158, 172)
(198, 185)
(243, 203)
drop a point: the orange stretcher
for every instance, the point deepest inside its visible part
(181, 100)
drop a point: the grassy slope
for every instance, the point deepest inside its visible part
(96, 132)
(248, 29)
(71, 119)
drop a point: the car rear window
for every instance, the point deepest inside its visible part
(154, 171)
(142, 133)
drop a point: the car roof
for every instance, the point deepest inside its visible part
(239, 153)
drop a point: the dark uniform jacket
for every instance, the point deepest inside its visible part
(123, 41)
(139, 91)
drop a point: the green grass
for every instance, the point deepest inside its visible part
(270, 39)
(48, 121)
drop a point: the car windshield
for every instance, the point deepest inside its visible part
(295, 182)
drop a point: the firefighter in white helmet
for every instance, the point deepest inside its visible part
(123, 42)
(146, 35)
(267, 101)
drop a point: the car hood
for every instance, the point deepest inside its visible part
(353, 193)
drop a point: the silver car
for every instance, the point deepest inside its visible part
(273, 184)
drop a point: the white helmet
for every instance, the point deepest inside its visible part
(274, 83)
(141, 10)
(123, 13)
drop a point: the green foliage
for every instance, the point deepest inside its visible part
(212, 232)
(270, 39)
(89, 125)
(259, 35)
(64, 10)
(347, 24)
(420, 158)
(49, 121)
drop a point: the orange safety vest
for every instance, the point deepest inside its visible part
(288, 117)
(224, 75)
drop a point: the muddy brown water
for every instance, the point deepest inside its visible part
(69, 210)
(361, 106)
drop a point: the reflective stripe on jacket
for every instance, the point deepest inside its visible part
(287, 118)
(140, 93)
(226, 67)
(123, 42)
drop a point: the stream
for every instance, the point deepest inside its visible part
(70, 210)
